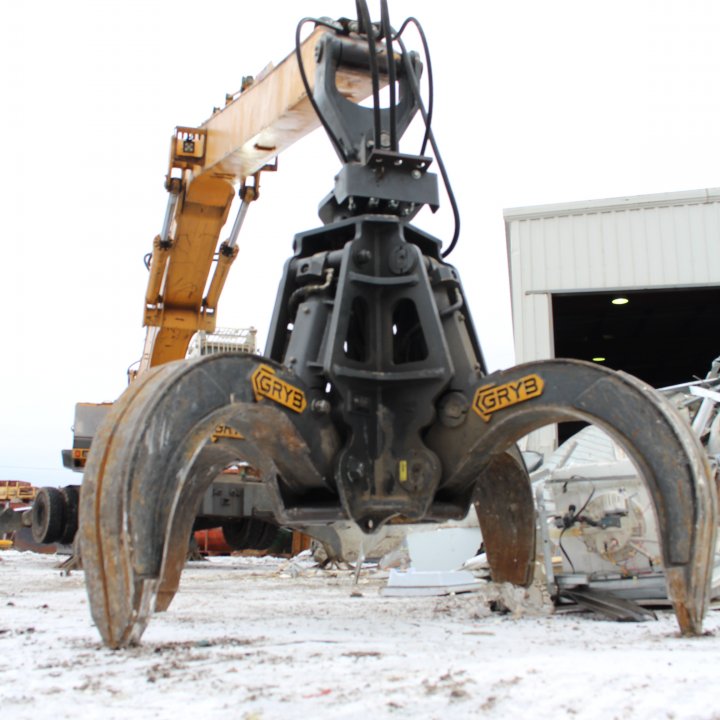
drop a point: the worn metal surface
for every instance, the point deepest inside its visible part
(506, 512)
(153, 458)
(609, 605)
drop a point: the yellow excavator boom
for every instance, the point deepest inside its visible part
(207, 164)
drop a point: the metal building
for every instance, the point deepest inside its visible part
(633, 283)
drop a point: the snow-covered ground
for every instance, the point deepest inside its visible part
(266, 638)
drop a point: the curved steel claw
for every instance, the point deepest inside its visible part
(505, 508)
(152, 459)
(508, 405)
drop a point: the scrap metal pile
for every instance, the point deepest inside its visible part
(597, 518)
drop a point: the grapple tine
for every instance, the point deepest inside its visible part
(119, 600)
(199, 466)
(152, 460)
(506, 512)
(123, 521)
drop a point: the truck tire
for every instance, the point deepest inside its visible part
(237, 533)
(267, 535)
(71, 498)
(48, 516)
(249, 534)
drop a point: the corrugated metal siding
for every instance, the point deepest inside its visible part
(672, 246)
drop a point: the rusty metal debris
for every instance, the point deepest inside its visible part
(595, 512)
(610, 605)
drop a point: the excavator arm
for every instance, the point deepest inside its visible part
(207, 164)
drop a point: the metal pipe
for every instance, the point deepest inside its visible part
(160, 251)
(169, 215)
(226, 256)
(237, 225)
(160, 255)
(228, 250)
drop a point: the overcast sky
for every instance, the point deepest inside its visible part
(536, 102)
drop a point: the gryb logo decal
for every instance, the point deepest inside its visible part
(490, 399)
(225, 431)
(266, 384)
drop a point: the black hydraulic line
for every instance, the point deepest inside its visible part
(450, 194)
(305, 290)
(564, 552)
(429, 75)
(412, 77)
(303, 75)
(587, 502)
(387, 32)
(570, 519)
(364, 21)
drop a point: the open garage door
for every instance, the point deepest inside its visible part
(664, 337)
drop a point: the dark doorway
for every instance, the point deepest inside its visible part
(664, 337)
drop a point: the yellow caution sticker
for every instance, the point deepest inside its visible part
(225, 431)
(490, 399)
(266, 384)
(403, 471)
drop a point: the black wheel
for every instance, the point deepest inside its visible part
(255, 531)
(258, 538)
(48, 515)
(237, 533)
(249, 534)
(266, 536)
(71, 496)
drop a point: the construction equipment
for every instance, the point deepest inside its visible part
(372, 402)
